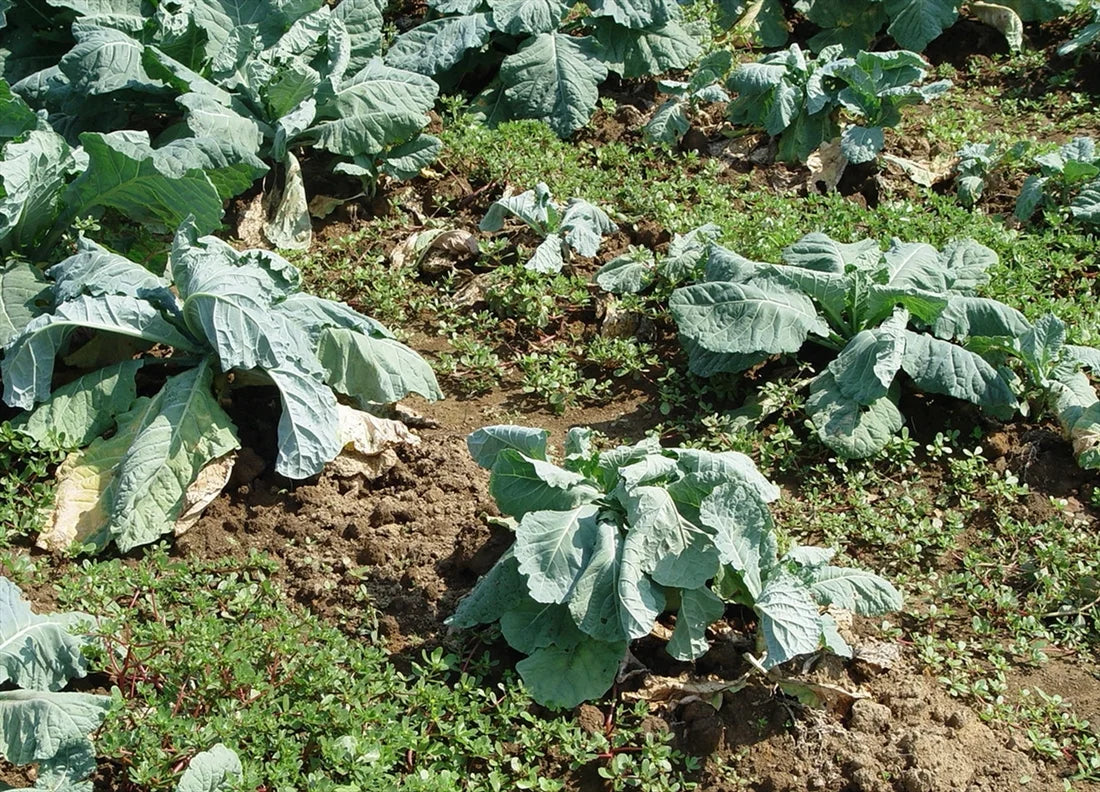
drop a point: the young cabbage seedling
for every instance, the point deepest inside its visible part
(578, 226)
(672, 120)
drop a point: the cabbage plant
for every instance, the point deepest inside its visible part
(39, 721)
(800, 99)
(1069, 177)
(608, 541)
(48, 184)
(577, 226)
(672, 119)
(263, 78)
(977, 161)
(540, 68)
(859, 24)
(218, 320)
(639, 269)
(911, 310)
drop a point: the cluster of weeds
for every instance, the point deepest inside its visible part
(993, 585)
(26, 490)
(208, 652)
(354, 269)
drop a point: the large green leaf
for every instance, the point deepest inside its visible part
(641, 601)
(362, 19)
(854, 589)
(789, 618)
(914, 266)
(374, 370)
(829, 289)
(520, 485)
(28, 363)
(126, 174)
(704, 363)
(674, 552)
(174, 435)
(34, 173)
(817, 251)
(978, 316)
(228, 121)
(84, 409)
(95, 271)
(309, 427)
(723, 466)
(563, 678)
(23, 294)
(315, 315)
(745, 318)
(851, 25)
(635, 13)
(211, 771)
(64, 771)
(744, 532)
(593, 600)
(914, 23)
(36, 725)
(866, 367)
(942, 367)
(966, 264)
(375, 108)
(699, 608)
(862, 144)
(104, 60)
(486, 443)
(555, 78)
(527, 17)
(501, 589)
(219, 18)
(439, 44)
(531, 625)
(846, 426)
(37, 652)
(553, 547)
(650, 50)
(231, 168)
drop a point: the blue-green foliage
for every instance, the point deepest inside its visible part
(243, 83)
(608, 541)
(216, 311)
(39, 723)
(1069, 177)
(543, 70)
(800, 98)
(48, 184)
(857, 24)
(578, 225)
(911, 309)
